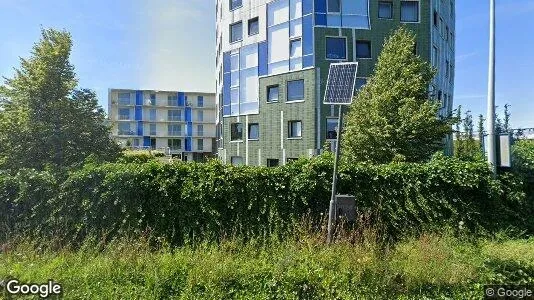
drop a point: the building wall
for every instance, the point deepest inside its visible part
(149, 120)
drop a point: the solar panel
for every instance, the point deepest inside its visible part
(341, 82)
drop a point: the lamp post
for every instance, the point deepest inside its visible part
(491, 93)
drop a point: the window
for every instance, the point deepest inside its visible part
(124, 114)
(271, 163)
(295, 48)
(447, 32)
(253, 131)
(234, 4)
(385, 10)
(124, 129)
(237, 160)
(152, 114)
(153, 130)
(363, 49)
(174, 115)
(295, 129)
(172, 100)
(336, 48)
(334, 6)
(200, 144)
(200, 130)
(436, 18)
(236, 32)
(124, 98)
(236, 131)
(253, 26)
(136, 142)
(360, 82)
(174, 144)
(200, 116)
(174, 130)
(272, 93)
(200, 101)
(331, 129)
(435, 56)
(409, 11)
(295, 90)
(447, 69)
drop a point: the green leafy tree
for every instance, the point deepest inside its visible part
(393, 117)
(481, 121)
(44, 120)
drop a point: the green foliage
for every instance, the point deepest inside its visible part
(183, 203)
(392, 116)
(429, 267)
(44, 121)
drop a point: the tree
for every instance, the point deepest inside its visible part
(393, 116)
(507, 116)
(44, 120)
(481, 121)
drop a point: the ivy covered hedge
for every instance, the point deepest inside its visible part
(181, 202)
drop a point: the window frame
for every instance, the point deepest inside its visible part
(236, 139)
(277, 86)
(333, 12)
(257, 20)
(418, 11)
(200, 144)
(232, 8)
(231, 35)
(124, 93)
(290, 129)
(327, 131)
(390, 3)
(346, 48)
(169, 142)
(248, 132)
(303, 90)
(370, 49)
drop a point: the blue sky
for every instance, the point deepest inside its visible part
(170, 44)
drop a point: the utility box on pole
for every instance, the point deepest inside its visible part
(346, 207)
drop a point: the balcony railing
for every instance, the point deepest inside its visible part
(124, 117)
(126, 132)
(174, 133)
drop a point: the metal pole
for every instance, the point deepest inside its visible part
(491, 93)
(333, 204)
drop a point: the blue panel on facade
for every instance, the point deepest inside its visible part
(188, 144)
(189, 129)
(140, 128)
(138, 113)
(320, 19)
(146, 141)
(227, 80)
(188, 114)
(181, 99)
(307, 61)
(226, 62)
(307, 35)
(320, 6)
(227, 110)
(139, 98)
(307, 7)
(262, 58)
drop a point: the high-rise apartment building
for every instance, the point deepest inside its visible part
(273, 58)
(178, 123)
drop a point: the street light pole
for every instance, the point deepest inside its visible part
(491, 93)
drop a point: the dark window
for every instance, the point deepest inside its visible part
(272, 93)
(336, 48)
(153, 130)
(174, 144)
(409, 11)
(152, 99)
(385, 10)
(236, 131)
(272, 162)
(124, 98)
(200, 145)
(237, 160)
(200, 101)
(331, 129)
(235, 4)
(295, 90)
(334, 6)
(360, 82)
(253, 131)
(253, 26)
(363, 49)
(236, 32)
(174, 115)
(172, 100)
(436, 19)
(295, 129)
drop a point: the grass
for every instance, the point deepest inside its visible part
(431, 266)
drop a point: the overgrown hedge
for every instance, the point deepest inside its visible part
(181, 202)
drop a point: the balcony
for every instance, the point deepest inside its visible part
(174, 133)
(124, 117)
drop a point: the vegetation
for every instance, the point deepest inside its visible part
(302, 267)
(44, 120)
(393, 117)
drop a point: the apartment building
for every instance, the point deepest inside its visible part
(179, 123)
(273, 58)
